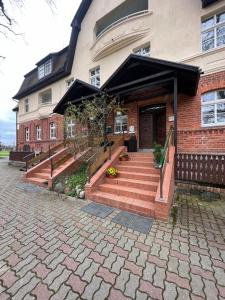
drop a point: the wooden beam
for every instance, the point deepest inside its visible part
(155, 76)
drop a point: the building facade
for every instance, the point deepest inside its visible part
(104, 34)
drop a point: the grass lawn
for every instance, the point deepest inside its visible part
(4, 154)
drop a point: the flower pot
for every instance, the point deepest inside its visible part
(111, 176)
(124, 158)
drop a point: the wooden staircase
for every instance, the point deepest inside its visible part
(135, 187)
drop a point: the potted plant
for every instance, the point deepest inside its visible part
(124, 157)
(111, 172)
(157, 152)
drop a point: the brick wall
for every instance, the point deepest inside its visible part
(45, 138)
(192, 137)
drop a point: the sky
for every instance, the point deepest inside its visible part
(41, 30)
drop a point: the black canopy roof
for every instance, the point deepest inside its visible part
(78, 90)
(135, 73)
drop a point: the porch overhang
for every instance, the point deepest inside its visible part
(78, 90)
(137, 73)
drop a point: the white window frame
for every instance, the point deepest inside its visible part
(70, 129)
(214, 29)
(94, 77)
(41, 97)
(27, 134)
(26, 105)
(122, 124)
(45, 69)
(141, 50)
(52, 131)
(38, 132)
(213, 102)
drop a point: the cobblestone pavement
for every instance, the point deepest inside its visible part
(49, 249)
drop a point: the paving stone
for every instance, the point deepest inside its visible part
(103, 291)
(183, 294)
(149, 289)
(134, 254)
(197, 285)
(118, 264)
(122, 279)
(25, 289)
(210, 289)
(91, 271)
(220, 276)
(110, 260)
(41, 291)
(170, 291)
(91, 288)
(159, 277)
(52, 275)
(131, 286)
(58, 281)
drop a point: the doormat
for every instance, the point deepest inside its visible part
(98, 210)
(135, 222)
(30, 188)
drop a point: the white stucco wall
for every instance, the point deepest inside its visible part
(173, 29)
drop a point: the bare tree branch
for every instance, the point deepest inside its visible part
(2, 8)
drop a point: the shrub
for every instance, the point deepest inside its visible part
(157, 152)
(78, 179)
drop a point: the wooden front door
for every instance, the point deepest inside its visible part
(146, 131)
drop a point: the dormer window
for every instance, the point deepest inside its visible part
(45, 69)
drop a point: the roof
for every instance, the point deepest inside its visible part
(16, 108)
(63, 60)
(135, 73)
(137, 67)
(78, 90)
(206, 3)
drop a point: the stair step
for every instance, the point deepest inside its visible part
(38, 181)
(139, 176)
(42, 175)
(124, 203)
(120, 190)
(136, 169)
(131, 163)
(134, 183)
(141, 159)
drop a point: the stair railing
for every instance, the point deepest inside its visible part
(40, 158)
(165, 158)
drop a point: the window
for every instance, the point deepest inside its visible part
(95, 77)
(38, 132)
(52, 128)
(213, 32)
(45, 69)
(46, 97)
(27, 134)
(69, 82)
(213, 108)
(143, 51)
(71, 129)
(121, 122)
(26, 101)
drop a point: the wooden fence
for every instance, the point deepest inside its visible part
(18, 155)
(202, 168)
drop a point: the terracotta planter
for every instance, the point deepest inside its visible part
(124, 158)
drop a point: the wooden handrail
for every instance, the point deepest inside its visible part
(101, 156)
(165, 159)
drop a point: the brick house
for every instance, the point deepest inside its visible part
(166, 62)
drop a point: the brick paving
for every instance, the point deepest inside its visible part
(49, 249)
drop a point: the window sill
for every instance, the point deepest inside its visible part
(120, 132)
(213, 126)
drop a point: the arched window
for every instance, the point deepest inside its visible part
(213, 108)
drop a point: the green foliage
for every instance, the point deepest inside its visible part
(78, 179)
(157, 152)
(112, 172)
